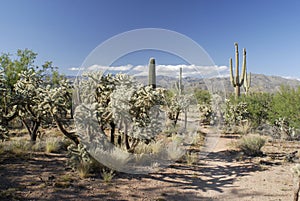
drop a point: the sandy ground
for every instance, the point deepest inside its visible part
(222, 175)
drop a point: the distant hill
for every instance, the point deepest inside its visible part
(259, 82)
(263, 83)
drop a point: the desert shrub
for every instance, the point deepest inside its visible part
(251, 145)
(286, 105)
(39, 146)
(258, 106)
(252, 108)
(202, 96)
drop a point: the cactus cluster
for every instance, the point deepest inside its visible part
(122, 106)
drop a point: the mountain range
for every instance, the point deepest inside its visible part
(259, 82)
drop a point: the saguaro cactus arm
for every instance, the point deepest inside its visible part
(243, 68)
(247, 82)
(233, 82)
(237, 73)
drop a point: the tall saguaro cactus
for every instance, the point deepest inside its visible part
(152, 73)
(237, 81)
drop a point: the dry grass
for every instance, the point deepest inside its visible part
(53, 144)
(191, 158)
(107, 176)
(83, 169)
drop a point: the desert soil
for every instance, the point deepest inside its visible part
(224, 174)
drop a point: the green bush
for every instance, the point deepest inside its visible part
(253, 107)
(251, 145)
(202, 96)
(286, 105)
(258, 106)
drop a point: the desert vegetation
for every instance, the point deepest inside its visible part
(37, 121)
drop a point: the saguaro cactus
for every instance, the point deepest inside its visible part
(238, 80)
(152, 73)
(179, 85)
(247, 83)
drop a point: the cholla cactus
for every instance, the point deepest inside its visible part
(3, 129)
(235, 113)
(205, 113)
(283, 129)
(56, 102)
(42, 104)
(177, 105)
(78, 155)
(29, 90)
(123, 106)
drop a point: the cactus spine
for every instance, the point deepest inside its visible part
(247, 83)
(152, 73)
(237, 81)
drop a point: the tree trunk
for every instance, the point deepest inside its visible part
(35, 131)
(32, 131)
(112, 132)
(176, 118)
(70, 135)
(126, 138)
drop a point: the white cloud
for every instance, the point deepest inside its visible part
(114, 68)
(291, 78)
(75, 69)
(165, 70)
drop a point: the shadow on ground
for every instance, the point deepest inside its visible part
(35, 178)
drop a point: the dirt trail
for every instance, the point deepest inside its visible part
(246, 180)
(219, 176)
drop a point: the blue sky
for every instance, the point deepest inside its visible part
(66, 31)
